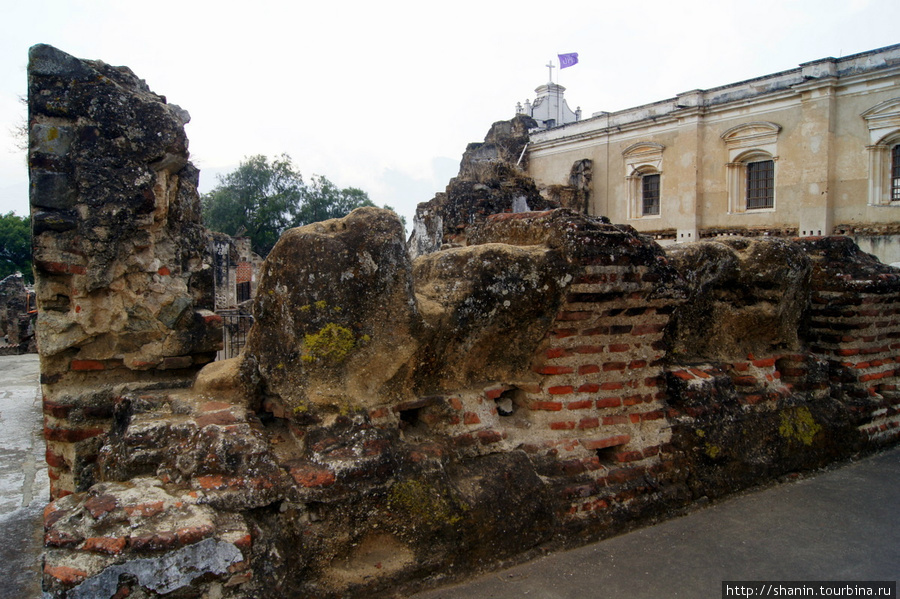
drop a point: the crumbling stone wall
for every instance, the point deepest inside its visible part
(491, 180)
(577, 194)
(122, 282)
(784, 358)
(544, 379)
(12, 302)
(16, 316)
(853, 326)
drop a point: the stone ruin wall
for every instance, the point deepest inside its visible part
(122, 282)
(545, 379)
(16, 316)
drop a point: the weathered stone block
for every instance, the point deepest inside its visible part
(53, 139)
(348, 330)
(56, 221)
(55, 191)
(745, 296)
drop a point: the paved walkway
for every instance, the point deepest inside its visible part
(24, 487)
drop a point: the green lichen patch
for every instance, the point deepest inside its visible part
(712, 450)
(331, 345)
(798, 424)
(424, 502)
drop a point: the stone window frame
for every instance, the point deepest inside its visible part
(749, 142)
(641, 159)
(883, 124)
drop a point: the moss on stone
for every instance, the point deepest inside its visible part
(712, 450)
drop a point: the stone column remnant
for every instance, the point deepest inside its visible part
(122, 282)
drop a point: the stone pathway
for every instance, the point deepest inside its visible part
(24, 486)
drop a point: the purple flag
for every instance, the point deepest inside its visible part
(568, 60)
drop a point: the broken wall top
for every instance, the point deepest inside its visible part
(490, 181)
(344, 318)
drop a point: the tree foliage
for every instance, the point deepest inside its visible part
(257, 199)
(15, 246)
(323, 200)
(261, 199)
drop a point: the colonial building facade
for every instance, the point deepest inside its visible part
(806, 152)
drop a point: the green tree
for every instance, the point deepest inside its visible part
(323, 200)
(15, 246)
(260, 199)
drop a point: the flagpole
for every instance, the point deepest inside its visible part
(558, 102)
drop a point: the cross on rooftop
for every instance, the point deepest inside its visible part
(550, 66)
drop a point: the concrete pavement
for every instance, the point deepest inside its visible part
(24, 487)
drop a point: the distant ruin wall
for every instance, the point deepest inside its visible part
(545, 379)
(122, 282)
(16, 316)
(491, 180)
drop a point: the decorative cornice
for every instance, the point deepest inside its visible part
(643, 147)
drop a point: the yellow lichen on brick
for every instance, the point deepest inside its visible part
(798, 424)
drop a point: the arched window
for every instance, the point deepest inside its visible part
(884, 155)
(643, 177)
(751, 172)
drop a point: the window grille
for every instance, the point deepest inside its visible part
(895, 173)
(243, 292)
(761, 184)
(650, 195)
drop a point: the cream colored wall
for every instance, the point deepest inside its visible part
(821, 168)
(850, 185)
(852, 137)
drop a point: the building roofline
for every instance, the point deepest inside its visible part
(781, 80)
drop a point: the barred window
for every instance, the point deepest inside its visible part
(895, 173)
(761, 184)
(650, 195)
(243, 291)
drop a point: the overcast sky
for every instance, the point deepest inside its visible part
(385, 95)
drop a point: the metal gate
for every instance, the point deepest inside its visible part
(235, 326)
